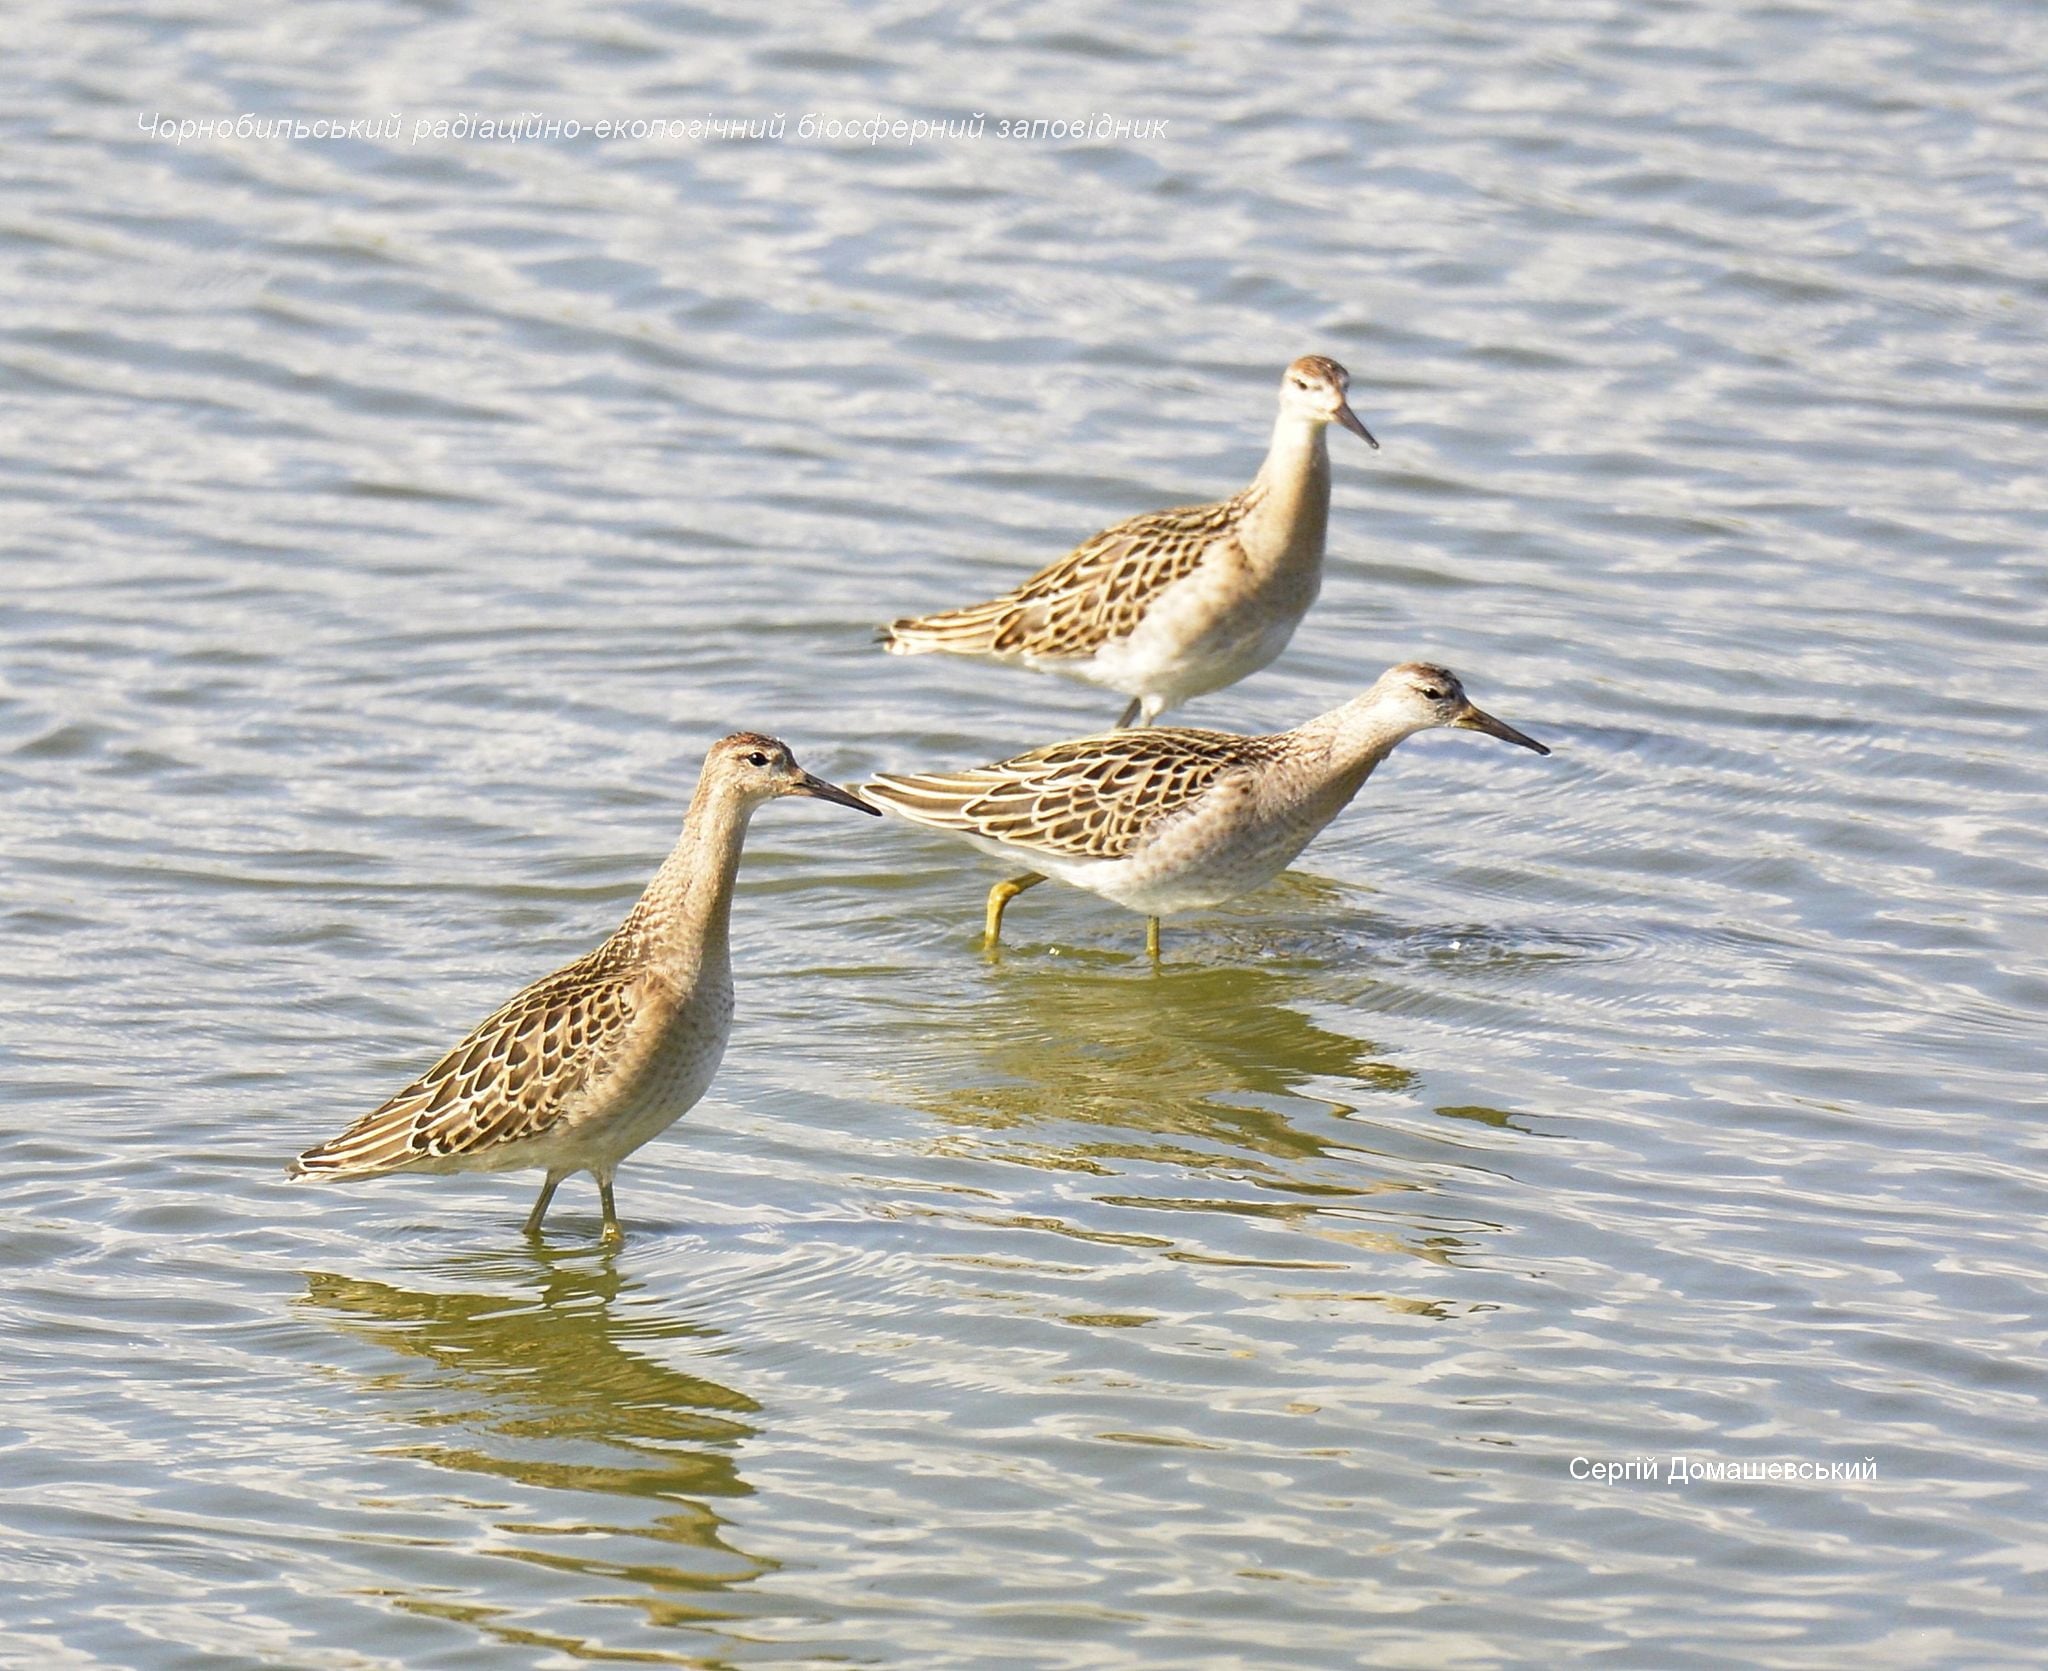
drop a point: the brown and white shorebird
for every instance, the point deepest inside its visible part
(584, 1066)
(1175, 603)
(1164, 819)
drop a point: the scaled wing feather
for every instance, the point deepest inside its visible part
(512, 1078)
(1096, 594)
(1095, 798)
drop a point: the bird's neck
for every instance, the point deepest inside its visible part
(1291, 493)
(1348, 742)
(683, 920)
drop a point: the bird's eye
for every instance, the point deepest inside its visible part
(757, 758)
(1301, 382)
(1432, 694)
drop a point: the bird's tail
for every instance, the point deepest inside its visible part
(940, 800)
(377, 1143)
(977, 630)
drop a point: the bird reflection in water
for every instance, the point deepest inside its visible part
(543, 1373)
(1224, 1076)
(1217, 1057)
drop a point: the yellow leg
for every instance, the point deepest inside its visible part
(1152, 937)
(999, 896)
(611, 1232)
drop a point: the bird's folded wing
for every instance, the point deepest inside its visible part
(1094, 798)
(511, 1078)
(1094, 595)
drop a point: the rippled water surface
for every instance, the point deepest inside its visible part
(389, 523)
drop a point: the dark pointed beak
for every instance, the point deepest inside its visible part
(1349, 419)
(1473, 720)
(818, 789)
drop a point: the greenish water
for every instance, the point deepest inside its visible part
(389, 526)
